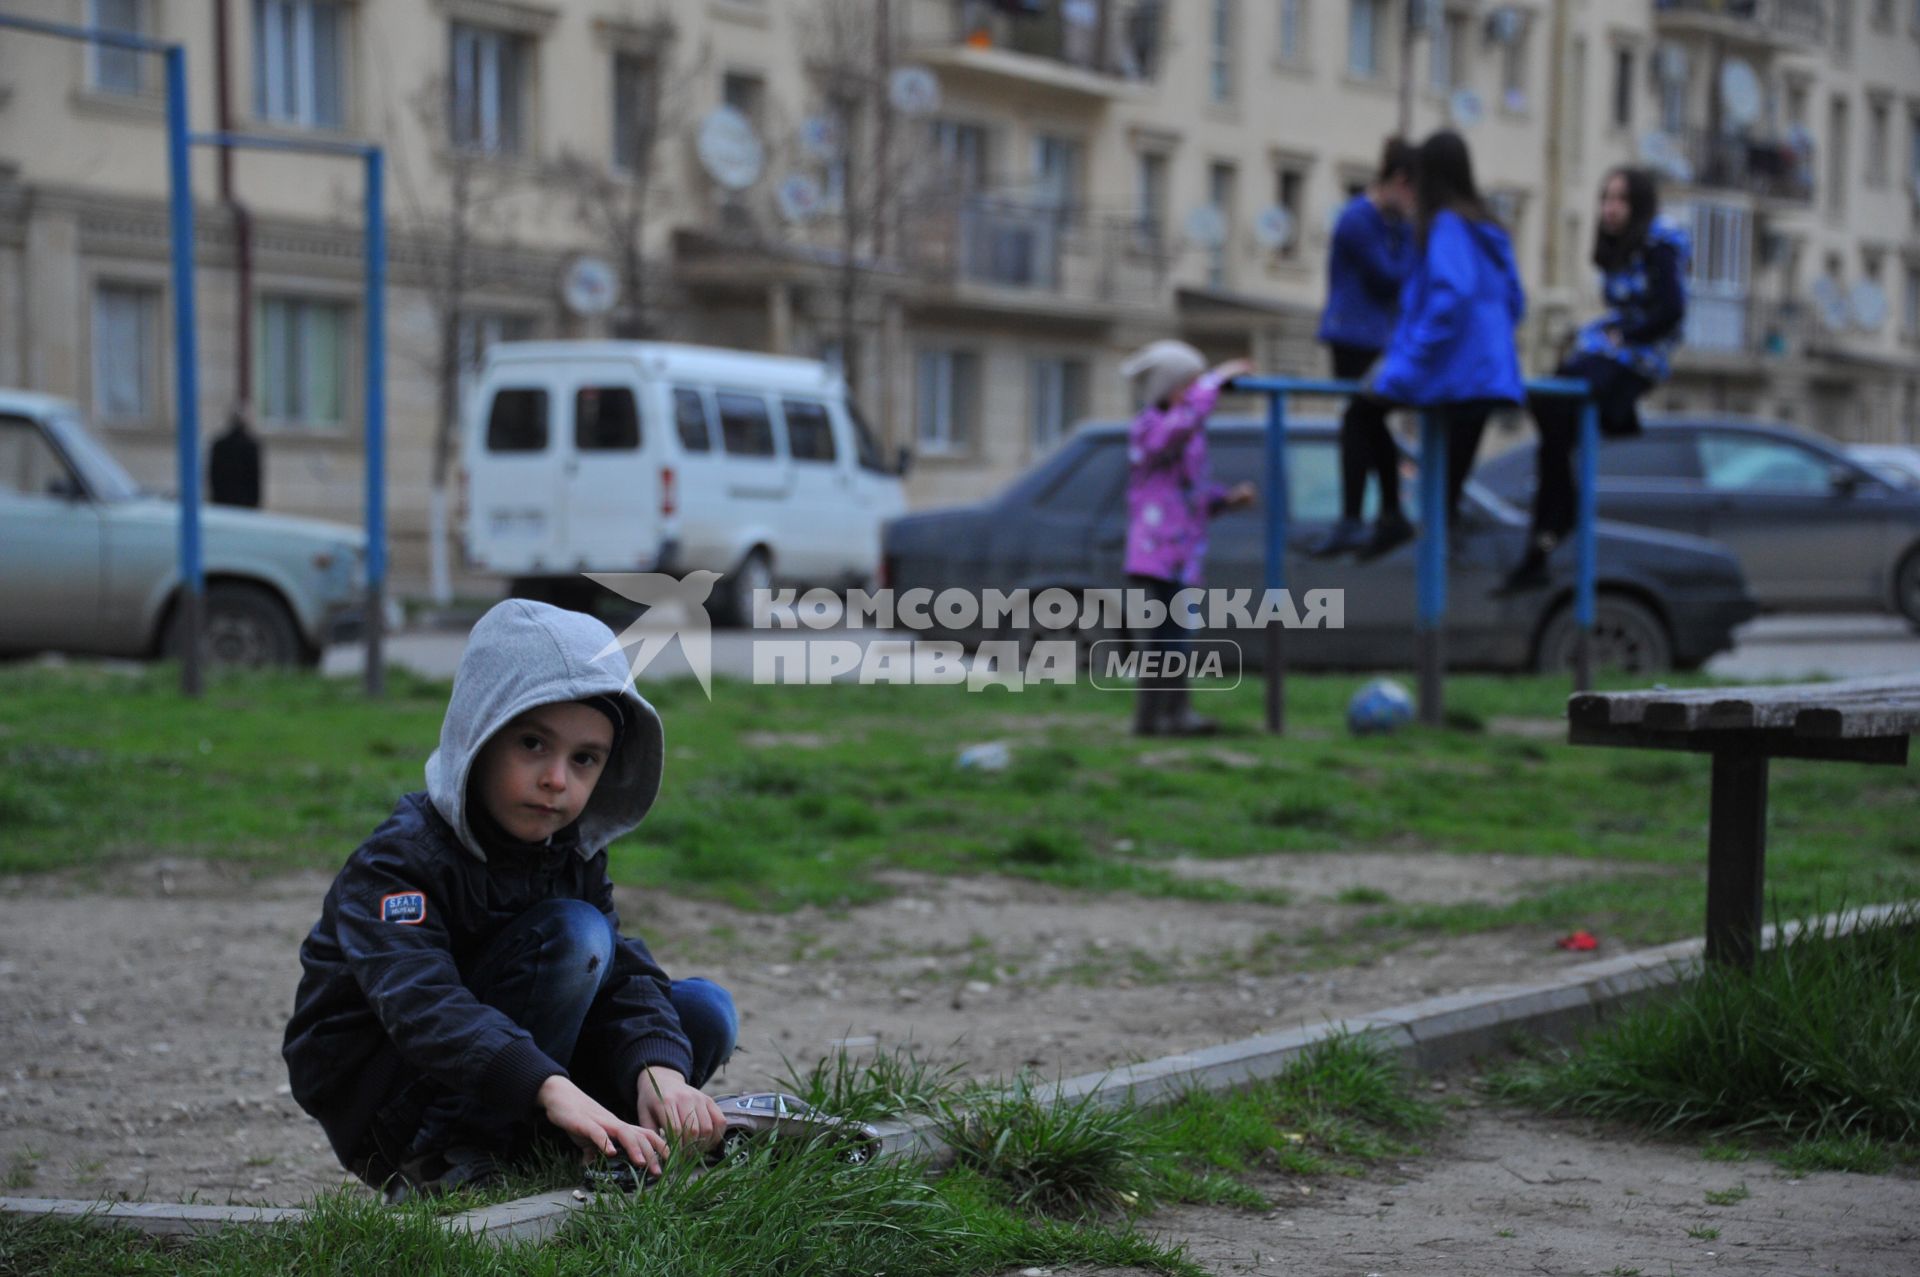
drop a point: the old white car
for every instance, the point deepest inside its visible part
(90, 563)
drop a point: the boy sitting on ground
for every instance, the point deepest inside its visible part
(467, 989)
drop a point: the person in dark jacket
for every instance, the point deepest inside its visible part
(1621, 355)
(233, 465)
(1372, 255)
(1452, 350)
(467, 990)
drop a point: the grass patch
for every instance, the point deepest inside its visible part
(1819, 1045)
(890, 1084)
(1860, 1154)
(1728, 1196)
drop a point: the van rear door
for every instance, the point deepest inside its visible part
(515, 515)
(612, 492)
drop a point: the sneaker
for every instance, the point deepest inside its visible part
(446, 1171)
(1344, 537)
(1390, 532)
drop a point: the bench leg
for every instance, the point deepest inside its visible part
(1736, 859)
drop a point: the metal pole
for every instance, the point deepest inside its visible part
(1586, 546)
(1432, 566)
(193, 585)
(1277, 512)
(376, 413)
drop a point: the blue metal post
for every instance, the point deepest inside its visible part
(1276, 575)
(1432, 564)
(1586, 545)
(193, 583)
(376, 413)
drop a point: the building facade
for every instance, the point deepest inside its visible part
(978, 207)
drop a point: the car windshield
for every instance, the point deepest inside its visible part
(105, 477)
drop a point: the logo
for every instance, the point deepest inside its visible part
(676, 608)
(406, 907)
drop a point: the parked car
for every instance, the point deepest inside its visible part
(1814, 529)
(91, 563)
(777, 1115)
(1897, 463)
(1665, 601)
(647, 456)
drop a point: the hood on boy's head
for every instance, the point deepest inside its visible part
(522, 655)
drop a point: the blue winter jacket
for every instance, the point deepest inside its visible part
(1372, 255)
(1647, 299)
(1454, 341)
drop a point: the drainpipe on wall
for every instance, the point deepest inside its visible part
(1558, 86)
(242, 220)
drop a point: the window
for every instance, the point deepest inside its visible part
(1913, 150)
(1093, 484)
(1883, 17)
(1837, 156)
(1056, 171)
(126, 352)
(605, 420)
(1366, 29)
(690, 420)
(1748, 463)
(1058, 400)
(1653, 454)
(1676, 71)
(962, 149)
(946, 399)
(489, 89)
(1718, 277)
(1513, 67)
(299, 52)
(517, 420)
(1290, 193)
(746, 430)
(1622, 88)
(866, 447)
(300, 361)
(636, 115)
(1220, 58)
(1843, 27)
(809, 432)
(116, 70)
(1879, 141)
(1150, 195)
(746, 93)
(29, 466)
(1910, 321)
(1222, 179)
(1292, 43)
(1447, 66)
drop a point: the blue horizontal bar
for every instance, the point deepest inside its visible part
(93, 35)
(1556, 386)
(264, 142)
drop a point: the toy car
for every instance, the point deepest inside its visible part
(775, 1115)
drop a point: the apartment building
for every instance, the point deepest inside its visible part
(977, 206)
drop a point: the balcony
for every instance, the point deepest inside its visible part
(1772, 23)
(1024, 254)
(1726, 333)
(1091, 50)
(1771, 167)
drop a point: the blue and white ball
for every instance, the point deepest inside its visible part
(1380, 707)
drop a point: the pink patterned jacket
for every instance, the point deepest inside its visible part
(1170, 495)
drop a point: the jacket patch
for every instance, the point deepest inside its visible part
(409, 907)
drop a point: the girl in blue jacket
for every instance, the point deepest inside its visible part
(1621, 355)
(1452, 351)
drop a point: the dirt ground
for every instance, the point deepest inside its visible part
(140, 1030)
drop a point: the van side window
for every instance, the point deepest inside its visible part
(605, 420)
(690, 420)
(517, 420)
(809, 432)
(745, 428)
(863, 442)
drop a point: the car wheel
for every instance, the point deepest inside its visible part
(1906, 588)
(858, 1153)
(246, 626)
(1627, 636)
(735, 594)
(735, 1147)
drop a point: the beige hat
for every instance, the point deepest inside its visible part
(1158, 370)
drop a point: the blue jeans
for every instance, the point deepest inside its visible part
(544, 971)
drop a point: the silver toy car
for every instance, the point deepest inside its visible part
(776, 1115)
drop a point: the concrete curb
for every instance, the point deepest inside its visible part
(1435, 1034)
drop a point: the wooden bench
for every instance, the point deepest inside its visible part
(1867, 720)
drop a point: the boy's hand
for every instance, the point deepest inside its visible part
(598, 1132)
(1241, 495)
(667, 1103)
(1232, 368)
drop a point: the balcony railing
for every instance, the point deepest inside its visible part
(1120, 38)
(1795, 20)
(1043, 250)
(1721, 328)
(1775, 167)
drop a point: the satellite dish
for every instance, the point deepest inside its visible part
(800, 198)
(1671, 63)
(729, 150)
(913, 90)
(1275, 228)
(1868, 303)
(1464, 109)
(820, 138)
(1207, 226)
(590, 286)
(1830, 304)
(1740, 94)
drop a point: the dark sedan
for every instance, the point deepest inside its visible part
(1815, 529)
(1666, 601)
